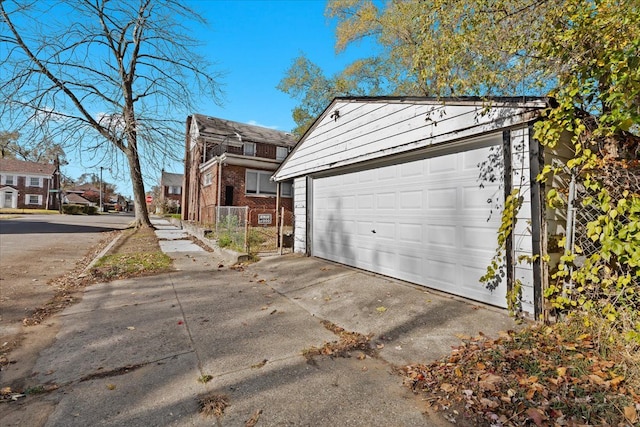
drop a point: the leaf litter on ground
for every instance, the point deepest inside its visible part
(538, 376)
(213, 404)
(347, 343)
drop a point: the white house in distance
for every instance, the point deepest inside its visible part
(393, 185)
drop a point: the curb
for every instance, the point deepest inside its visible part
(100, 255)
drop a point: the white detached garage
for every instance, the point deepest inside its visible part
(393, 186)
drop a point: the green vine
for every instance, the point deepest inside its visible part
(606, 282)
(496, 270)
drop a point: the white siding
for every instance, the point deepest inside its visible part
(522, 233)
(370, 130)
(300, 215)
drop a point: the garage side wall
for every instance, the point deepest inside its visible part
(523, 232)
(300, 215)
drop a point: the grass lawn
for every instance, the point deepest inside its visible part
(9, 211)
(137, 253)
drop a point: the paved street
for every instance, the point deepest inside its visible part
(37, 248)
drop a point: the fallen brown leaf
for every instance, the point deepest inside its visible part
(631, 414)
(251, 422)
(213, 404)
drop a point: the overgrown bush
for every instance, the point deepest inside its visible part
(79, 210)
(225, 241)
(73, 209)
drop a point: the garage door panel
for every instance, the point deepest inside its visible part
(446, 164)
(411, 169)
(411, 199)
(386, 201)
(429, 217)
(409, 233)
(474, 197)
(387, 173)
(479, 238)
(442, 198)
(470, 159)
(441, 271)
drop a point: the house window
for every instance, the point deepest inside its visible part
(286, 189)
(9, 180)
(33, 199)
(281, 153)
(175, 189)
(34, 181)
(208, 178)
(259, 182)
(249, 149)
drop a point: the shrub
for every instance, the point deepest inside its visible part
(73, 209)
(224, 241)
(80, 210)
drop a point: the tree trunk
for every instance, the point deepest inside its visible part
(139, 199)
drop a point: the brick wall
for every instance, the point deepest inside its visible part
(170, 196)
(209, 196)
(234, 176)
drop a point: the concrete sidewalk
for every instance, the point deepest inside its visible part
(132, 351)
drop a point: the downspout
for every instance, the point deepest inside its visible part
(219, 182)
(278, 202)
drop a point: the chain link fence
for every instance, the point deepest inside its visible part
(587, 203)
(270, 231)
(255, 231)
(231, 227)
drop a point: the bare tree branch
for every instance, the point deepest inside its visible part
(113, 80)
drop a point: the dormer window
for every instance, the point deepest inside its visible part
(249, 149)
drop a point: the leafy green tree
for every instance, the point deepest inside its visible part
(111, 78)
(598, 107)
(389, 71)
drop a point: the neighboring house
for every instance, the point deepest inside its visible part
(87, 191)
(28, 185)
(230, 164)
(399, 186)
(170, 191)
(76, 199)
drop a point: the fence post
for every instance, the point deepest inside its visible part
(571, 228)
(246, 229)
(281, 231)
(217, 218)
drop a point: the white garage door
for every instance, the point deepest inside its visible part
(426, 221)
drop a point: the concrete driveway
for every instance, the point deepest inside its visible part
(132, 351)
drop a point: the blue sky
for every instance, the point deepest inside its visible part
(252, 43)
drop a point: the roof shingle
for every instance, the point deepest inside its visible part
(215, 128)
(21, 166)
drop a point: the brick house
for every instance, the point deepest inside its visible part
(170, 191)
(230, 164)
(28, 185)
